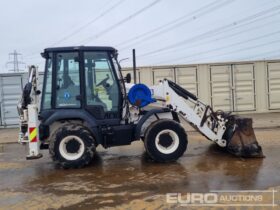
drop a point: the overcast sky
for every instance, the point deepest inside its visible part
(161, 31)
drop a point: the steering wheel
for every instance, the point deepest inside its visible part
(103, 82)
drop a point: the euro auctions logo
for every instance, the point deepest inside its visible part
(192, 198)
(224, 198)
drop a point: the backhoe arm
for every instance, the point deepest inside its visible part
(28, 109)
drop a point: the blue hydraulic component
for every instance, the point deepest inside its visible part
(140, 95)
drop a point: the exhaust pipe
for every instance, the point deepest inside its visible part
(134, 66)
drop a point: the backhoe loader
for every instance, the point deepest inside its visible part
(86, 102)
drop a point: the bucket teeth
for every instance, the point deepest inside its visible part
(241, 138)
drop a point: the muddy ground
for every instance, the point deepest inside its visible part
(125, 178)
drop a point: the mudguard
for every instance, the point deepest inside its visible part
(89, 122)
(147, 115)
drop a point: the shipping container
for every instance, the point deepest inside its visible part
(241, 87)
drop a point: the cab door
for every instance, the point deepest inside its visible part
(67, 87)
(102, 91)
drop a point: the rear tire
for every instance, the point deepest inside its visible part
(72, 147)
(165, 140)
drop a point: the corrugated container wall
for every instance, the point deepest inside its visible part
(11, 86)
(241, 87)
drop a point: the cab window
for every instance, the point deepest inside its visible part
(101, 85)
(68, 80)
(47, 89)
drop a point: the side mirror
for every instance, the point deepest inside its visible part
(128, 78)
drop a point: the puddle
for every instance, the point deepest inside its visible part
(126, 176)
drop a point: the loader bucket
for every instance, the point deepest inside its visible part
(242, 141)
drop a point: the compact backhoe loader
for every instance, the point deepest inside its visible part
(86, 102)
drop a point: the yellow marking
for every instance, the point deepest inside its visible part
(167, 98)
(33, 134)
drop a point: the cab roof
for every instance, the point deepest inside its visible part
(82, 48)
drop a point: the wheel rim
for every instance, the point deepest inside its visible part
(167, 141)
(71, 147)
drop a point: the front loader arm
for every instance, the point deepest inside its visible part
(190, 108)
(234, 133)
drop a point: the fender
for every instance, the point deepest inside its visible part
(149, 114)
(63, 114)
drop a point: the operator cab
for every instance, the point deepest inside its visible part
(82, 78)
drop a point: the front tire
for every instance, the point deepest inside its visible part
(72, 147)
(165, 140)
